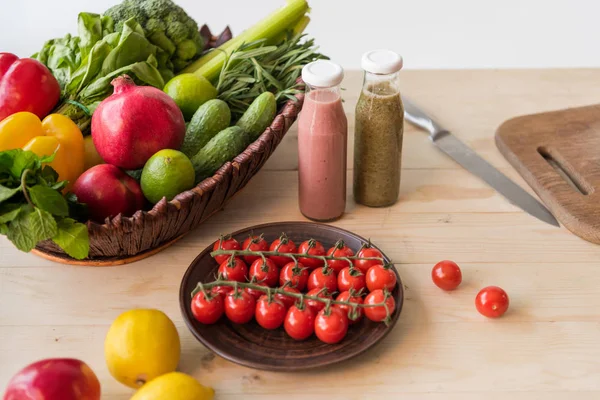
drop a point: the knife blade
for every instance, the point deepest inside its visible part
(472, 162)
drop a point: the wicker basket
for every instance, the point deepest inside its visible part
(127, 239)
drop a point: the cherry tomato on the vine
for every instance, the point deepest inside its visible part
(446, 275)
(345, 296)
(379, 313)
(379, 277)
(297, 275)
(265, 271)
(207, 309)
(320, 278)
(254, 243)
(239, 306)
(234, 270)
(492, 302)
(270, 314)
(367, 252)
(339, 250)
(350, 278)
(225, 243)
(282, 245)
(222, 290)
(288, 301)
(299, 322)
(314, 304)
(331, 326)
(314, 248)
(255, 292)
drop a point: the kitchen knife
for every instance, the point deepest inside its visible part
(462, 154)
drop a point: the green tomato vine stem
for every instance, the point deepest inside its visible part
(293, 256)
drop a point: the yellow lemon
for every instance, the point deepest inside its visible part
(140, 346)
(174, 386)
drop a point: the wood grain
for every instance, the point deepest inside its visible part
(546, 346)
(557, 154)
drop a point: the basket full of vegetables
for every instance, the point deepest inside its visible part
(118, 141)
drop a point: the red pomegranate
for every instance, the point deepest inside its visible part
(134, 123)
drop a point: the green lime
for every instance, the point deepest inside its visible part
(166, 174)
(190, 91)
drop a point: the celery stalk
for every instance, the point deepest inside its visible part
(270, 28)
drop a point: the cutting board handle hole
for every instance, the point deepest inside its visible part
(560, 166)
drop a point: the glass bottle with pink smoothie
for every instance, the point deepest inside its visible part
(322, 143)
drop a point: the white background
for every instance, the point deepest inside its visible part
(428, 33)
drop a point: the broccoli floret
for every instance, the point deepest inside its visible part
(165, 24)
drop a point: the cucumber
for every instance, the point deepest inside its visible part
(210, 118)
(222, 148)
(259, 115)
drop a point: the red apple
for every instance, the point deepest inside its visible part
(108, 191)
(54, 379)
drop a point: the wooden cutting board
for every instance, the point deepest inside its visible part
(558, 154)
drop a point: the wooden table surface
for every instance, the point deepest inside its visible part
(546, 347)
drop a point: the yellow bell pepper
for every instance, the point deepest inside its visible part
(56, 133)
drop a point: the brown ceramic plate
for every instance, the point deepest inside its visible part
(255, 347)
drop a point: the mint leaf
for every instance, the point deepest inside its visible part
(3, 229)
(20, 233)
(49, 200)
(8, 212)
(23, 160)
(60, 185)
(73, 238)
(7, 193)
(48, 159)
(42, 224)
(31, 227)
(7, 159)
(49, 174)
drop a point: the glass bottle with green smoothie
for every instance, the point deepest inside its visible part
(379, 129)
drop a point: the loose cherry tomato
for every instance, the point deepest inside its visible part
(239, 306)
(350, 278)
(379, 277)
(225, 243)
(314, 248)
(379, 314)
(296, 275)
(288, 301)
(339, 250)
(254, 243)
(299, 322)
(492, 302)
(345, 296)
(255, 292)
(320, 278)
(314, 304)
(222, 290)
(234, 270)
(367, 252)
(207, 309)
(270, 314)
(446, 275)
(265, 271)
(282, 245)
(331, 327)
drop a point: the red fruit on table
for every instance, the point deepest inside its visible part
(331, 327)
(54, 379)
(380, 277)
(339, 250)
(297, 275)
(255, 292)
(345, 296)
(367, 252)
(134, 123)
(270, 314)
(225, 243)
(239, 306)
(492, 302)
(446, 275)
(234, 270)
(108, 191)
(254, 243)
(207, 309)
(322, 278)
(379, 313)
(222, 290)
(288, 301)
(264, 270)
(282, 245)
(299, 322)
(314, 304)
(26, 85)
(350, 278)
(314, 248)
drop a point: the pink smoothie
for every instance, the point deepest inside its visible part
(322, 141)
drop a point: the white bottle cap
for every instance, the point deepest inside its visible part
(322, 73)
(381, 62)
